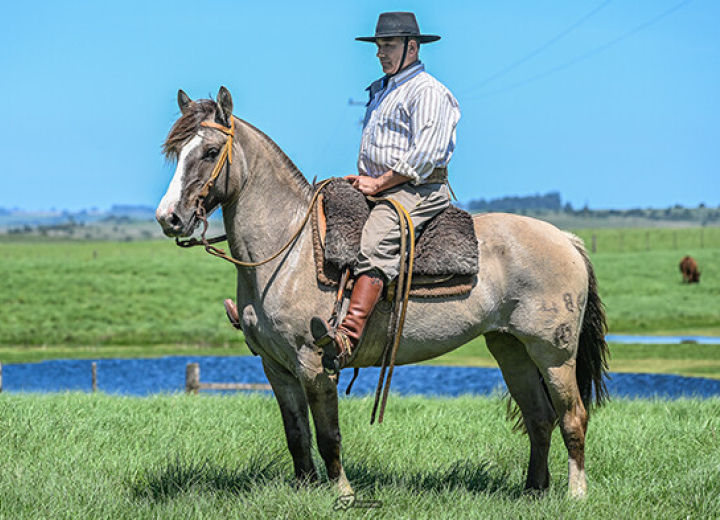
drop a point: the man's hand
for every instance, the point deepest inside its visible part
(370, 186)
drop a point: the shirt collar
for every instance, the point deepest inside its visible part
(397, 79)
(407, 73)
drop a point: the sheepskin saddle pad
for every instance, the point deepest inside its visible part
(446, 252)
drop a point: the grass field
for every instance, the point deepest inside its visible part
(85, 299)
(113, 293)
(176, 456)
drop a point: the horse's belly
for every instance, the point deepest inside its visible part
(431, 329)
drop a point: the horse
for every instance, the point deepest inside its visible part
(535, 298)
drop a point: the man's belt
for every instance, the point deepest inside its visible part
(438, 176)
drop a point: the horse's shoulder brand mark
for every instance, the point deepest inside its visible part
(548, 308)
(581, 300)
(563, 334)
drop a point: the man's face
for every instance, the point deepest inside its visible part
(390, 52)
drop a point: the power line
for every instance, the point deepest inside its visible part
(591, 52)
(540, 49)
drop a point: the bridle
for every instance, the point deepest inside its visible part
(201, 214)
(225, 154)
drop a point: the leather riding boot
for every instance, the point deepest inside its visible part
(232, 313)
(339, 347)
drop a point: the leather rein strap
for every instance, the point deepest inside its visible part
(402, 295)
(226, 156)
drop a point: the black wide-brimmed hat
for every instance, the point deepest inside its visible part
(390, 25)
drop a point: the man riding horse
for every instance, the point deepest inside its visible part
(407, 141)
(536, 300)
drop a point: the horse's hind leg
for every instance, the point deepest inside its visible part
(562, 384)
(294, 409)
(526, 388)
(323, 399)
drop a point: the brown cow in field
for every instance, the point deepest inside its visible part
(689, 270)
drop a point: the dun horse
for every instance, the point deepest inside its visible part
(535, 298)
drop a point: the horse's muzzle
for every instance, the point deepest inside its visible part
(173, 224)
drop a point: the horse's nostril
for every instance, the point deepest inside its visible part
(175, 220)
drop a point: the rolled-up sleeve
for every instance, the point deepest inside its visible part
(434, 115)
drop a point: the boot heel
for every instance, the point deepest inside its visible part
(320, 330)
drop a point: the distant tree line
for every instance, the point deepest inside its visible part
(549, 202)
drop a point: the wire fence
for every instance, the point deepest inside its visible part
(658, 239)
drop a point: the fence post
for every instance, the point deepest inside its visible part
(192, 378)
(594, 243)
(94, 376)
(675, 240)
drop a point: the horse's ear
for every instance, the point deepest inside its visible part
(225, 104)
(184, 101)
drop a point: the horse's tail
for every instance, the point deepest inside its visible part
(592, 367)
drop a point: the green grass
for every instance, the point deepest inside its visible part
(113, 293)
(644, 294)
(34, 354)
(176, 456)
(84, 299)
(669, 239)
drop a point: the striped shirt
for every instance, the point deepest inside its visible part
(409, 126)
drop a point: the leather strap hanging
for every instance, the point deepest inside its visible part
(402, 295)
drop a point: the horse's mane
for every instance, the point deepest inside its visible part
(294, 170)
(189, 124)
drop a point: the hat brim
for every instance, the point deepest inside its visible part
(422, 38)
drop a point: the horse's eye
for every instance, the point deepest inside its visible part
(210, 154)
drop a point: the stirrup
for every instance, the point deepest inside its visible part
(337, 347)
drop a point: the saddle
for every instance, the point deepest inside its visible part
(446, 252)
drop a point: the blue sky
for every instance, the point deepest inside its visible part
(613, 103)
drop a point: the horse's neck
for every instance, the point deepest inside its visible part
(272, 202)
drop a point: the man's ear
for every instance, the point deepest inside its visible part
(225, 106)
(415, 45)
(184, 101)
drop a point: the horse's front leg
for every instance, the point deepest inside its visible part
(293, 404)
(323, 398)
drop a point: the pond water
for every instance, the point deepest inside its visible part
(662, 340)
(167, 375)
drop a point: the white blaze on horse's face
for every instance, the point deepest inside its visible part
(165, 213)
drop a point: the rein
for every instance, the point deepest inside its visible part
(200, 213)
(397, 320)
